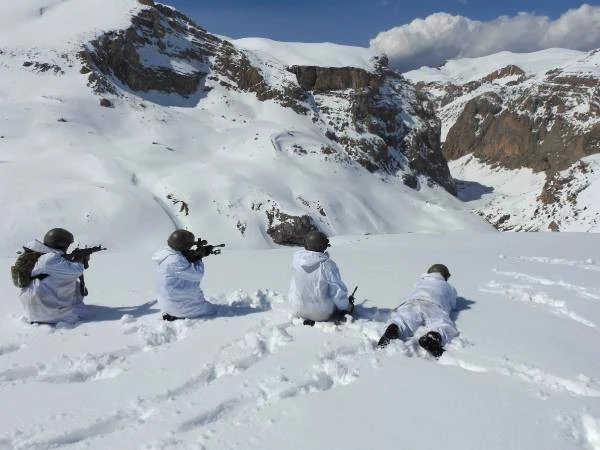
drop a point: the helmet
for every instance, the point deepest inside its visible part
(181, 240)
(315, 241)
(58, 238)
(441, 269)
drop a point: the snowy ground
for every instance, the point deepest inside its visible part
(524, 373)
(509, 198)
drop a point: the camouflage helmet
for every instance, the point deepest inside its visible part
(181, 240)
(316, 241)
(58, 238)
(441, 269)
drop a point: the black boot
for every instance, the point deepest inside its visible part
(391, 332)
(169, 318)
(310, 323)
(432, 342)
(338, 316)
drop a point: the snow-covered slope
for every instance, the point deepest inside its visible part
(536, 111)
(464, 70)
(523, 374)
(324, 54)
(220, 160)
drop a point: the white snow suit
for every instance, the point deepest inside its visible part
(428, 304)
(56, 298)
(316, 289)
(178, 285)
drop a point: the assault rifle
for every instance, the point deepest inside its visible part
(82, 255)
(203, 249)
(208, 249)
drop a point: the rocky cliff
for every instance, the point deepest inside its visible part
(512, 118)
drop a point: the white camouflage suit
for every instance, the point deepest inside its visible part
(316, 289)
(56, 298)
(429, 304)
(178, 285)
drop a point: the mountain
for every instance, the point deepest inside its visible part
(145, 122)
(121, 120)
(529, 122)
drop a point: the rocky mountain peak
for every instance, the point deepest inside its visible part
(545, 121)
(370, 118)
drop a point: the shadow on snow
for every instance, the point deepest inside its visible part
(471, 190)
(462, 304)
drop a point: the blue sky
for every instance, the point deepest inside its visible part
(352, 22)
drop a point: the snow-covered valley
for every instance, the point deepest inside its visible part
(523, 373)
(524, 126)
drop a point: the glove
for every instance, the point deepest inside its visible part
(351, 308)
(192, 255)
(86, 261)
(83, 259)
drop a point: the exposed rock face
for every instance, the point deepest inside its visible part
(286, 229)
(370, 118)
(508, 71)
(546, 123)
(379, 121)
(531, 131)
(132, 56)
(321, 79)
(378, 105)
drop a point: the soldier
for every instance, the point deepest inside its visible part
(53, 291)
(317, 292)
(428, 304)
(180, 271)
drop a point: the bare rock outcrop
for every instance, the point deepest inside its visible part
(379, 104)
(531, 131)
(322, 79)
(546, 122)
(286, 229)
(133, 56)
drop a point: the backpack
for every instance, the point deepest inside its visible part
(21, 271)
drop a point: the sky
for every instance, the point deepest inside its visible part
(412, 32)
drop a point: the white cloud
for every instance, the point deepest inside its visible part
(442, 36)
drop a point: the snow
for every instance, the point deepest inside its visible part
(538, 67)
(222, 153)
(498, 192)
(324, 54)
(60, 24)
(463, 70)
(484, 187)
(522, 374)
